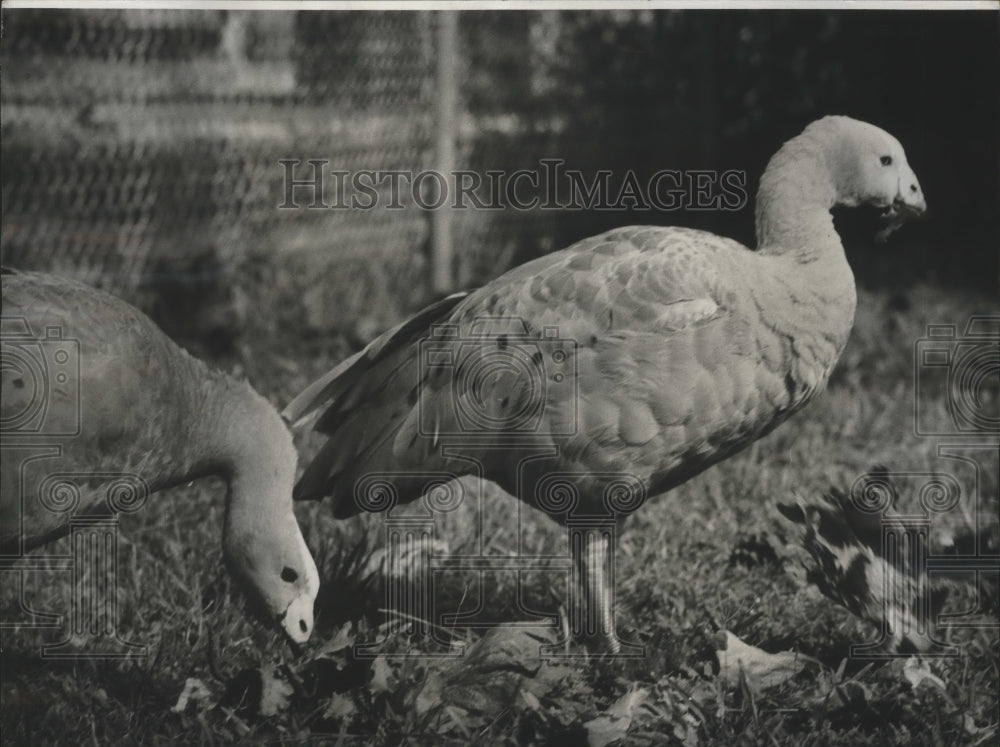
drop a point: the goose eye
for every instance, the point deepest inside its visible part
(288, 574)
(886, 160)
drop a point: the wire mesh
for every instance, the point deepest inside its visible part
(141, 140)
(143, 144)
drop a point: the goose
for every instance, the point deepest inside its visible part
(619, 367)
(108, 401)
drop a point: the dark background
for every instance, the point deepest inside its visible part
(722, 89)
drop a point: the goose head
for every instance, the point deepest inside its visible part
(277, 573)
(869, 167)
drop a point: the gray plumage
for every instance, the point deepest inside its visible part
(130, 402)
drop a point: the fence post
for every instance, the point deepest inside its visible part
(447, 132)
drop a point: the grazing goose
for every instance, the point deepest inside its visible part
(94, 384)
(635, 358)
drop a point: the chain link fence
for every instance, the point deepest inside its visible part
(144, 144)
(143, 148)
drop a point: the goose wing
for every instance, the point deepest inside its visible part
(610, 348)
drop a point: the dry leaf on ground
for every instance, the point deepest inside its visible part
(614, 723)
(195, 691)
(762, 670)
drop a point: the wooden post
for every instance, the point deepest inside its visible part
(447, 131)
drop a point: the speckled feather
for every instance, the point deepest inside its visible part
(851, 564)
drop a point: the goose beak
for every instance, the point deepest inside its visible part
(908, 205)
(296, 623)
(915, 207)
(909, 202)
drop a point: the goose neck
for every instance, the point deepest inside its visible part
(794, 200)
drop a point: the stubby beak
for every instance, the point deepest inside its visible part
(297, 620)
(912, 208)
(909, 204)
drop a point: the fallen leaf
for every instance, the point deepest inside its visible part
(504, 669)
(486, 695)
(339, 707)
(917, 671)
(430, 694)
(605, 730)
(194, 691)
(531, 700)
(762, 670)
(507, 647)
(274, 694)
(381, 675)
(614, 723)
(626, 705)
(340, 641)
(969, 724)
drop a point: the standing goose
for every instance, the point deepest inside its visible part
(106, 399)
(638, 357)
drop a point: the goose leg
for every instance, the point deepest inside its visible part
(593, 588)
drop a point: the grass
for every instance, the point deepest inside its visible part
(690, 565)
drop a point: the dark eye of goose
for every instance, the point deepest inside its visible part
(886, 160)
(288, 574)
